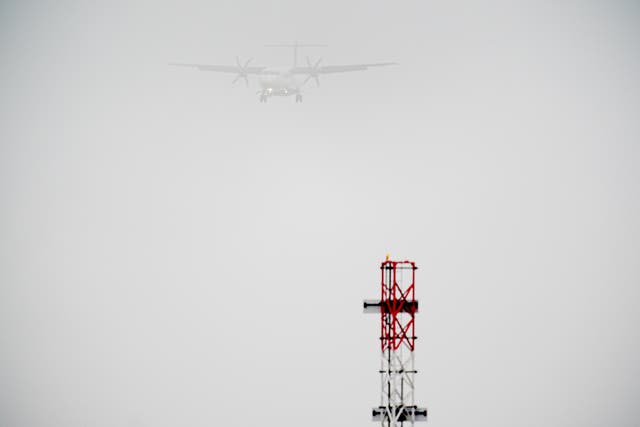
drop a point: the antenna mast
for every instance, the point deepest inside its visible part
(397, 308)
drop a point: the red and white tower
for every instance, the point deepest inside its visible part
(397, 307)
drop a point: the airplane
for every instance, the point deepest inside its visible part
(283, 81)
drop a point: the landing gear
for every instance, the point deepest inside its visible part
(298, 98)
(263, 97)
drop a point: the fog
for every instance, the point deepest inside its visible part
(175, 253)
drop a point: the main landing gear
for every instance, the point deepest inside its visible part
(298, 97)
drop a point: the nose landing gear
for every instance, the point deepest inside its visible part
(265, 94)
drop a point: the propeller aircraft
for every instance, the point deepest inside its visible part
(286, 81)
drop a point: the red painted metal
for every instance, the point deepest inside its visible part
(398, 305)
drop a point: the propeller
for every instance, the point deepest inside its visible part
(242, 71)
(313, 71)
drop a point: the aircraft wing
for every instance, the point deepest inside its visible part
(233, 69)
(330, 69)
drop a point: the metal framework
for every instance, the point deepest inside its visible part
(397, 308)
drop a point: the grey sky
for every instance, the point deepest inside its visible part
(175, 253)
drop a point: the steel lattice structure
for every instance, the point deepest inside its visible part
(397, 308)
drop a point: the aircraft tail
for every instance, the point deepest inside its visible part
(295, 47)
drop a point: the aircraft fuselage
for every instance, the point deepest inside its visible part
(280, 83)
